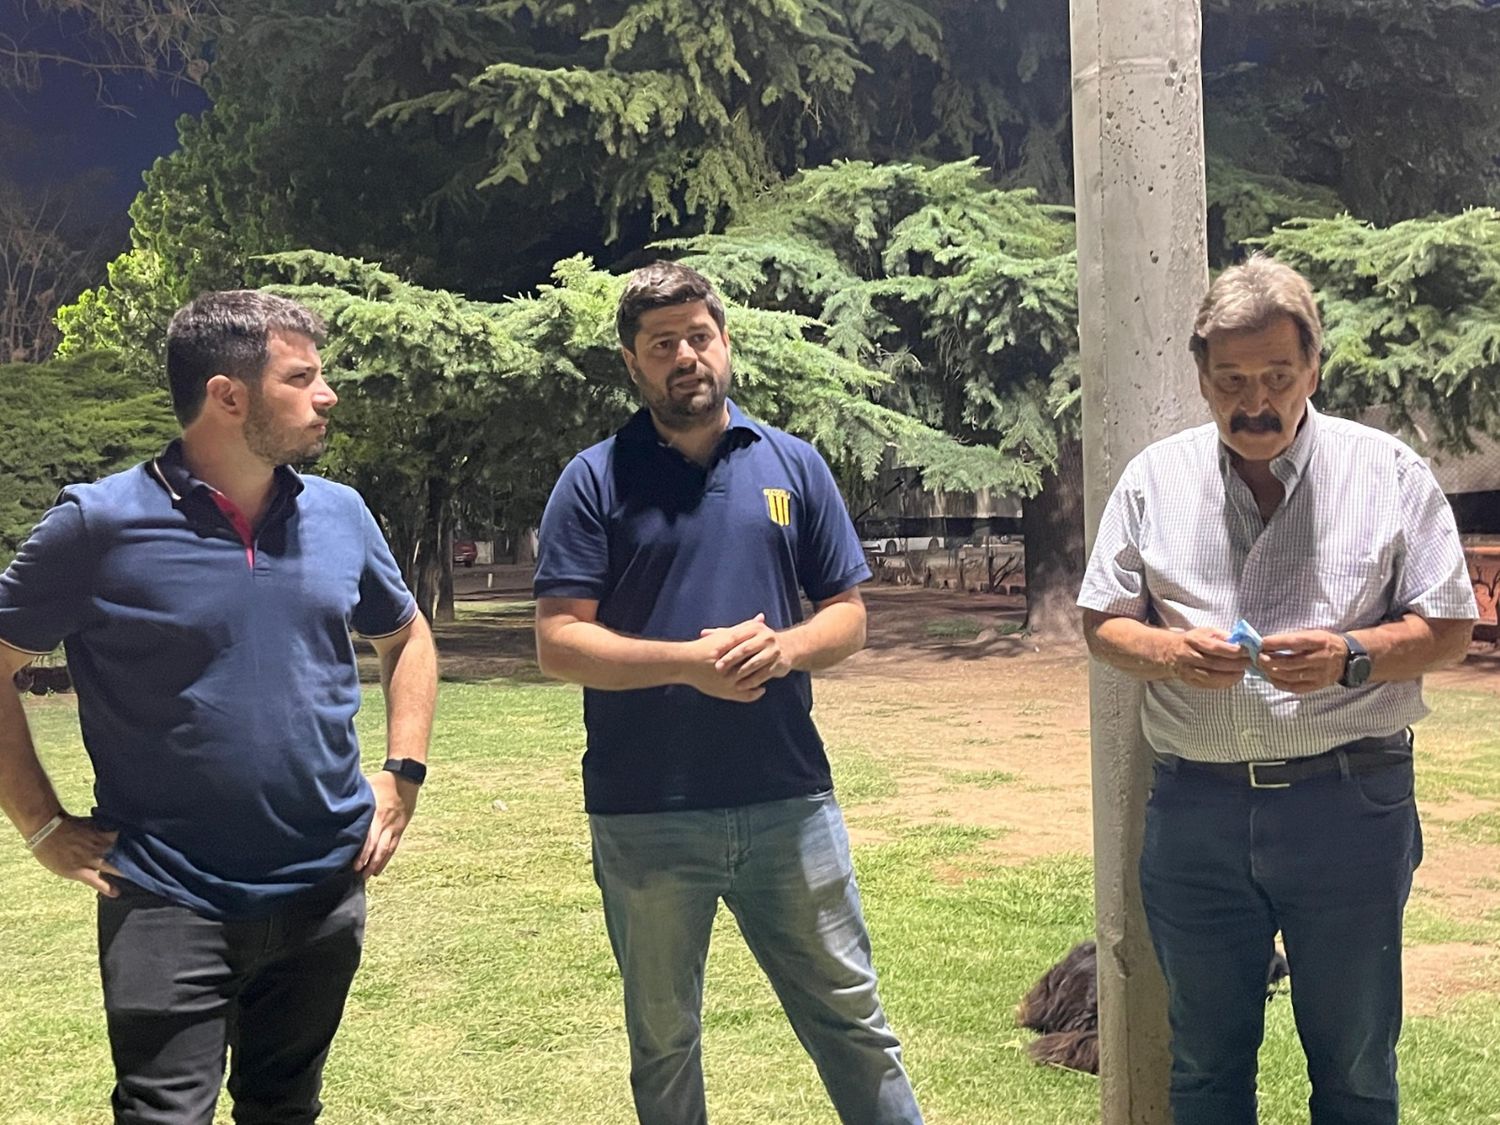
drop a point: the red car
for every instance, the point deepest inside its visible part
(465, 553)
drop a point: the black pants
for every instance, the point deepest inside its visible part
(181, 990)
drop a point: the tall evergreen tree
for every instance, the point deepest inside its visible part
(966, 294)
(445, 400)
(1412, 317)
(66, 421)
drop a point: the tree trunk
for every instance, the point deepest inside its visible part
(433, 565)
(1052, 527)
(445, 611)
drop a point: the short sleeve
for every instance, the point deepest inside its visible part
(1115, 581)
(573, 542)
(829, 557)
(385, 606)
(45, 592)
(1432, 576)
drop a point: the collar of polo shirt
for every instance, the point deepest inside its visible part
(171, 472)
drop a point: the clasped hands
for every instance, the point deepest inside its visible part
(1299, 662)
(735, 662)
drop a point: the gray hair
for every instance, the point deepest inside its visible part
(226, 333)
(1248, 297)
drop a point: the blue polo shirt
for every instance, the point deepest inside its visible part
(216, 683)
(668, 548)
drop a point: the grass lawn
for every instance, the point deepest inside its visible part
(489, 994)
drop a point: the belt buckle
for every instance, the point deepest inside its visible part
(1257, 783)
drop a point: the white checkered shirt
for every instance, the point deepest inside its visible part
(1363, 536)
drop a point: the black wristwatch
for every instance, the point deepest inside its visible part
(1357, 665)
(409, 768)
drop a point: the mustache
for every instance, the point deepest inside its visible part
(1267, 423)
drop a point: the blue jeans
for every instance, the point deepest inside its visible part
(1327, 861)
(783, 868)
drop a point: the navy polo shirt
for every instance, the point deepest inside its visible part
(668, 548)
(216, 695)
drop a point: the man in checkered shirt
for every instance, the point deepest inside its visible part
(1282, 796)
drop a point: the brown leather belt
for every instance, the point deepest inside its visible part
(1364, 756)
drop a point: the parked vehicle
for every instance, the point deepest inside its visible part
(465, 552)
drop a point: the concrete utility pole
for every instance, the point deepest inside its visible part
(1142, 269)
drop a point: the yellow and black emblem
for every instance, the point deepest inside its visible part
(778, 505)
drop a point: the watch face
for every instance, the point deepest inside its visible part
(1358, 671)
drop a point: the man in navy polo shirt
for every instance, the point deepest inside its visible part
(671, 559)
(206, 599)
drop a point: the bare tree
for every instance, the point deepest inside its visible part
(150, 38)
(46, 259)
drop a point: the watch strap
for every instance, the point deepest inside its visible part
(409, 768)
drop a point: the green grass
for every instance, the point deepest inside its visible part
(489, 995)
(953, 628)
(967, 628)
(982, 779)
(1458, 747)
(1482, 828)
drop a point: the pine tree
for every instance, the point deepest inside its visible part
(1412, 319)
(69, 421)
(964, 293)
(447, 402)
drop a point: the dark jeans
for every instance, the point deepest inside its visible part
(180, 990)
(1328, 862)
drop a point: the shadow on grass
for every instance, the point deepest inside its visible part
(491, 640)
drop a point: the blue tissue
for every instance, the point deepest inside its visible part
(1244, 635)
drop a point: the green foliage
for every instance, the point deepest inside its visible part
(128, 317)
(1392, 104)
(962, 294)
(435, 398)
(882, 298)
(1412, 317)
(456, 409)
(686, 109)
(1244, 206)
(70, 420)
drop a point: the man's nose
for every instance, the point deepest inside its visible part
(1254, 398)
(324, 395)
(687, 355)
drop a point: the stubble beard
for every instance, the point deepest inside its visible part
(683, 414)
(278, 448)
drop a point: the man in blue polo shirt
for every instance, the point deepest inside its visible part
(206, 599)
(667, 584)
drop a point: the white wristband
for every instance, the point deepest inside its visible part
(35, 839)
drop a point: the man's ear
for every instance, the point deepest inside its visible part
(227, 394)
(629, 357)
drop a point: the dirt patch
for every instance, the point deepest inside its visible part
(1002, 744)
(1480, 671)
(1460, 878)
(985, 727)
(1433, 976)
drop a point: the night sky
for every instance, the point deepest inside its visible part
(52, 135)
